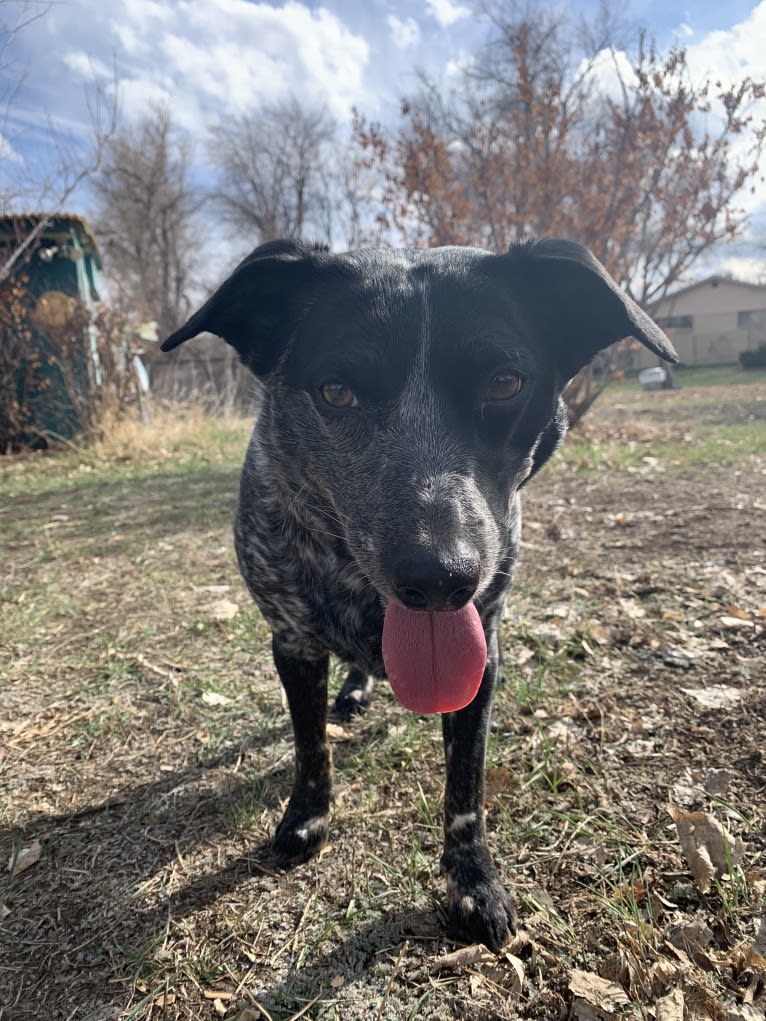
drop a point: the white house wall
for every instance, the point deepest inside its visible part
(716, 337)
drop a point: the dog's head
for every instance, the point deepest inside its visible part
(412, 392)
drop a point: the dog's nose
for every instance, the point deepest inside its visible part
(425, 579)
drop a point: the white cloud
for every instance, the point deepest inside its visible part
(732, 53)
(752, 270)
(446, 12)
(86, 66)
(457, 67)
(403, 33)
(209, 60)
(610, 69)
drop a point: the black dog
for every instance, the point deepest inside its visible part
(408, 396)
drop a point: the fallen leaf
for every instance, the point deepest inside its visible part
(584, 1011)
(337, 733)
(717, 696)
(733, 622)
(598, 992)
(717, 781)
(735, 611)
(707, 846)
(337, 981)
(671, 1007)
(598, 632)
(215, 698)
(632, 608)
(461, 959)
(743, 1013)
(224, 610)
(692, 939)
(26, 858)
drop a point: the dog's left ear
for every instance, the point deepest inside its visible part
(257, 307)
(576, 305)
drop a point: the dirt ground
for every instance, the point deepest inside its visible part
(145, 754)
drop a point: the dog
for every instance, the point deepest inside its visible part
(407, 397)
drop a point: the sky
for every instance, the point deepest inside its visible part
(212, 59)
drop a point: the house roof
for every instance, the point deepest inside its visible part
(711, 281)
(60, 227)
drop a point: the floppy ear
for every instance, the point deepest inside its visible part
(256, 308)
(576, 305)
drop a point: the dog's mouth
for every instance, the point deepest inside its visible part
(434, 660)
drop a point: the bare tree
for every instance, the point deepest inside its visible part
(276, 171)
(647, 173)
(146, 218)
(68, 166)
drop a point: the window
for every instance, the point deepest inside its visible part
(675, 322)
(755, 317)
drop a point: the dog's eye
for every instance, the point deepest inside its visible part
(337, 395)
(503, 387)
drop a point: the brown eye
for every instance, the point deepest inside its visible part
(338, 396)
(504, 386)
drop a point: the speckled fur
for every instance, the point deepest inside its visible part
(423, 463)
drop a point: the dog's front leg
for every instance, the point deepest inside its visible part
(304, 826)
(479, 908)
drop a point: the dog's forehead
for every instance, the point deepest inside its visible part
(394, 283)
(380, 311)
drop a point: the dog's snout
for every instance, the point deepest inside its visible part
(425, 579)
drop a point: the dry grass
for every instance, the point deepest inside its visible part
(145, 752)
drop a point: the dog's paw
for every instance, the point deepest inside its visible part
(354, 697)
(299, 837)
(478, 907)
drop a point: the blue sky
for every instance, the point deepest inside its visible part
(210, 59)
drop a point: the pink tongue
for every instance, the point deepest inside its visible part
(434, 661)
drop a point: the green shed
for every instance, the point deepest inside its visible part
(58, 273)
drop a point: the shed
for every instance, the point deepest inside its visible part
(58, 270)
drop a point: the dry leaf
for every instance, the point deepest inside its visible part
(692, 939)
(607, 997)
(461, 959)
(337, 981)
(632, 608)
(510, 979)
(224, 610)
(717, 781)
(584, 1011)
(717, 696)
(743, 1013)
(733, 622)
(735, 611)
(215, 698)
(26, 858)
(336, 733)
(708, 848)
(671, 1007)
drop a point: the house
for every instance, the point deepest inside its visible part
(711, 322)
(59, 273)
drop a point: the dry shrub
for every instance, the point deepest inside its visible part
(170, 429)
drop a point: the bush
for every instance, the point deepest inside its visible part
(755, 359)
(60, 376)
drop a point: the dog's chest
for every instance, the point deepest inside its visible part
(305, 582)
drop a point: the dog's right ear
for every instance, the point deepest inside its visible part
(256, 308)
